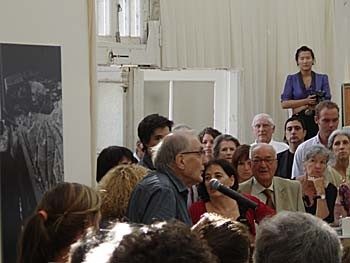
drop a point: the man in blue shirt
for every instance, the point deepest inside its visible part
(162, 194)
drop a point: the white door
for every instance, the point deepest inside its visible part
(198, 98)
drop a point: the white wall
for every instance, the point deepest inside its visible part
(63, 23)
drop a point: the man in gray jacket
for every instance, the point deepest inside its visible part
(278, 193)
(162, 194)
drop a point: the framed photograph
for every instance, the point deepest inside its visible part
(31, 137)
(345, 101)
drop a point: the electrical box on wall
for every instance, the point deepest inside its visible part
(111, 53)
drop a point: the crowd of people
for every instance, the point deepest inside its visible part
(160, 204)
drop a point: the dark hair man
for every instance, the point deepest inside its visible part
(151, 130)
(294, 132)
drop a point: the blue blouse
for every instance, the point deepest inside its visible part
(294, 88)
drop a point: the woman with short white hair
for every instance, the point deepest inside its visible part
(319, 195)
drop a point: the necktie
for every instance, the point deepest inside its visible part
(269, 198)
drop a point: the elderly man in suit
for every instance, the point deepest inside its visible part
(280, 194)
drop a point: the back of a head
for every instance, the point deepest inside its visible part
(229, 240)
(115, 189)
(296, 237)
(99, 246)
(170, 242)
(110, 157)
(149, 124)
(63, 214)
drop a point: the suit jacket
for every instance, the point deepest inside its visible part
(288, 194)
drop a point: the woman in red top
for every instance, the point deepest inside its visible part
(216, 202)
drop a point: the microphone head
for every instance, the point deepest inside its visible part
(214, 184)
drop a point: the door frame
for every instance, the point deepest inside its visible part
(226, 87)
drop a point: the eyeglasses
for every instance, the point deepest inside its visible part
(264, 126)
(201, 152)
(259, 161)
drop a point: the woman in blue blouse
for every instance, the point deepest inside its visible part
(300, 90)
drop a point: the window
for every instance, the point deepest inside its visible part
(103, 15)
(119, 17)
(129, 18)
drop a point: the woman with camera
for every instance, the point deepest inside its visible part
(303, 90)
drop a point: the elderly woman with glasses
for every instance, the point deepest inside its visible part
(318, 194)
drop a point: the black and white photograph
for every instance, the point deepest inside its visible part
(31, 133)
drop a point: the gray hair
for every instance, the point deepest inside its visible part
(169, 147)
(317, 149)
(221, 138)
(261, 144)
(263, 116)
(182, 127)
(343, 131)
(296, 237)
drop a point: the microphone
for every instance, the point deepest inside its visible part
(241, 200)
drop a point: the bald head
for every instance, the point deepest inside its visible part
(264, 163)
(182, 153)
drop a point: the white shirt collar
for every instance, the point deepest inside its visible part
(258, 188)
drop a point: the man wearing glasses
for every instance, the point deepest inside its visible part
(278, 193)
(162, 194)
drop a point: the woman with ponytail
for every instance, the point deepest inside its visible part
(61, 217)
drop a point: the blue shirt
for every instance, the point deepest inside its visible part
(159, 196)
(294, 88)
(298, 166)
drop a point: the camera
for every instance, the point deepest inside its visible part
(320, 95)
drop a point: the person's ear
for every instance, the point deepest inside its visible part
(316, 119)
(232, 180)
(180, 161)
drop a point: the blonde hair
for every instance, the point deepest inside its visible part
(116, 187)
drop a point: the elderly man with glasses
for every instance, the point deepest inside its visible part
(162, 194)
(278, 193)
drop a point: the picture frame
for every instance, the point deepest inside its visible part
(345, 102)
